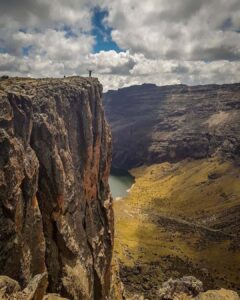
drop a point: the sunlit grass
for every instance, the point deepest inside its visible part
(185, 193)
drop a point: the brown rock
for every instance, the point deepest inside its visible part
(8, 286)
(53, 297)
(187, 286)
(152, 124)
(36, 288)
(55, 206)
(221, 294)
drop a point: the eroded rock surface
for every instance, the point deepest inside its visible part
(152, 124)
(187, 285)
(55, 205)
(221, 294)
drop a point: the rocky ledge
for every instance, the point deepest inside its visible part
(152, 124)
(55, 207)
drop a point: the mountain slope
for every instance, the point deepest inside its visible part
(151, 124)
(182, 215)
(179, 221)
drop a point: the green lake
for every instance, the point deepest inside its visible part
(120, 184)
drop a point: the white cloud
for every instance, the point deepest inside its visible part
(111, 62)
(165, 72)
(186, 29)
(191, 42)
(44, 13)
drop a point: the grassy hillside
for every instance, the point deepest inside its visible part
(180, 219)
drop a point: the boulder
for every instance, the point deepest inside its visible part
(221, 294)
(187, 285)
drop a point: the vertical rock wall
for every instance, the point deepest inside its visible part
(55, 205)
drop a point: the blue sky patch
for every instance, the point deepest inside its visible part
(26, 50)
(3, 50)
(68, 31)
(102, 33)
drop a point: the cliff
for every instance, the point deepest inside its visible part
(152, 124)
(55, 207)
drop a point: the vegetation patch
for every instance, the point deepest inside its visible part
(180, 219)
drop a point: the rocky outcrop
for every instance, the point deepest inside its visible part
(55, 206)
(188, 287)
(221, 294)
(152, 124)
(8, 286)
(35, 290)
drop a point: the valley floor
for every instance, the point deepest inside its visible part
(180, 219)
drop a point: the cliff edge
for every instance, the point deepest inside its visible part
(55, 206)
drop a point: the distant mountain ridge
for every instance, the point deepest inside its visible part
(152, 124)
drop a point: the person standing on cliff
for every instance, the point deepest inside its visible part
(89, 73)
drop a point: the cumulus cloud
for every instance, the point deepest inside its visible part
(165, 72)
(186, 29)
(164, 42)
(44, 13)
(111, 62)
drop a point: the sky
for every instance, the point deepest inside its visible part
(124, 42)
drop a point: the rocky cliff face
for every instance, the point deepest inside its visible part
(55, 205)
(152, 124)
